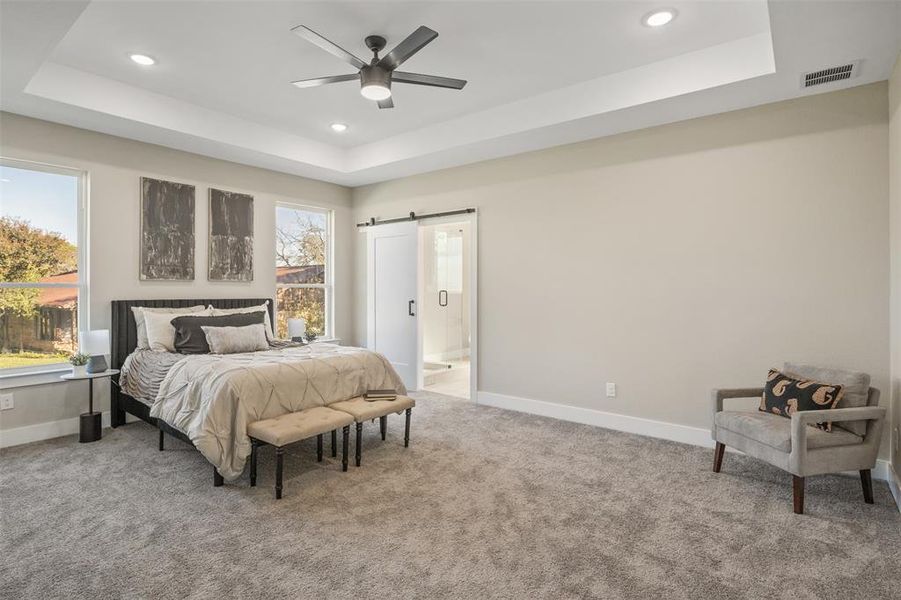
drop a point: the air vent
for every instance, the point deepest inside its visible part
(829, 75)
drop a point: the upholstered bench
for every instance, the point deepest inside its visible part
(361, 410)
(294, 427)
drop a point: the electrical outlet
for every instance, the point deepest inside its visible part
(6, 401)
(611, 390)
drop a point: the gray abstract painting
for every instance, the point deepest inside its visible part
(167, 230)
(231, 236)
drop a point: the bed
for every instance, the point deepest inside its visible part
(207, 400)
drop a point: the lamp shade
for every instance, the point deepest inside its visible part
(296, 328)
(94, 343)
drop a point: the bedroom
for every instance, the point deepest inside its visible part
(664, 211)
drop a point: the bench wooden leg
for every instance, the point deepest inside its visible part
(407, 428)
(345, 442)
(798, 494)
(279, 468)
(359, 449)
(383, 426)
(866, 481)
(253, 463)
(319, 448)
(334, 443)
(718, 457)
(162, 440)
(217, 478)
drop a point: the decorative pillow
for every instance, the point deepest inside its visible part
(264, 308)
(189, 336)
(231, 340)
(139, 311)
(784, 395)
(855, 384)
(160, 332)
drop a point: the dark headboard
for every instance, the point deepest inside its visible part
(123, 331)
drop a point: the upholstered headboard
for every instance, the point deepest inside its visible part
(123, 331)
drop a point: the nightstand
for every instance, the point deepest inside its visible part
(89, 426)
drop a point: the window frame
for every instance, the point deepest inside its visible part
(82, 243)
(328, 286)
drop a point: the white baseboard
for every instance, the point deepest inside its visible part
(685, 434)
(894, 484)
(44, 431)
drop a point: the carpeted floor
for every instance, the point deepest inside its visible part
(484, 504)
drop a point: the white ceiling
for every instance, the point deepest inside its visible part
(540, 73)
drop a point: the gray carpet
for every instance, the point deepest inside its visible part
(484, 504)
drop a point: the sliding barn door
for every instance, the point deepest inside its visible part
(391, 297)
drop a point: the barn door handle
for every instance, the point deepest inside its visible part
(410, 308)
(440, 301)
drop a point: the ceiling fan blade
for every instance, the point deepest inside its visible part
(432, 80)
(308, 83)
(330, 47)
(407, 48)
(386, 103)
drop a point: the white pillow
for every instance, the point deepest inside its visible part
(139, 311)
(218, 312)
(230, 340)
(160, 332)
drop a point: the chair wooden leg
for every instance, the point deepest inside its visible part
(334, 443)
(407, 428)
(162, 440)
(218, 481)
(718, 453)
(279, 469)
(798, 494)
(359, 449)
(319, 448)
(383, 426)
(866, 481)
(253, 463)
(346, 436)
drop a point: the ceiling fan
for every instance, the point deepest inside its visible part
(377, 76)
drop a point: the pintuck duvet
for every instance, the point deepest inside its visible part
(212, 398)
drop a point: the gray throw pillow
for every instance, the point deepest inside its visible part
(189, 335)
(232, 340)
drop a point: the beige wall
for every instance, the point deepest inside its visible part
(895, 186)
(115, 166)
(675, 259)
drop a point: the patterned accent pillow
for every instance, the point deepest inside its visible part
(232, 340)
(784, 395)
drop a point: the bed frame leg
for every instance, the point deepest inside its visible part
(383, 426)
(279, 469)
(218, 481)
(319, 448)
(162, 440)
(253, 463)
(117, 413)
(407, 428)
(359, 448)
(346, 435)
(334, 443)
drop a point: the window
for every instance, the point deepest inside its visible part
(42, 292)
(303, 271)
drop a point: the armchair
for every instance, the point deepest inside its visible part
(801, 450)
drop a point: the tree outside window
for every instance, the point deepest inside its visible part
(302, 269)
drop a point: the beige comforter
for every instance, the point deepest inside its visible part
(212, 398)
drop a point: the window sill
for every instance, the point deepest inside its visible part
(39, 376)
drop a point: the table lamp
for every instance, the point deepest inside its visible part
(296, 329)
(96, 345)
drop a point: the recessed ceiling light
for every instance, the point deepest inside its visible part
(339, 127)
(659, 18)
(142, 59)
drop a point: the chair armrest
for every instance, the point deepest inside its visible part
(802, 418)
(718, 395)
(858, 413)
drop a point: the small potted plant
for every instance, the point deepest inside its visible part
(311, 336)
(79, 363)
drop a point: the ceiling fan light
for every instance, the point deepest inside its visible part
(375, 91)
